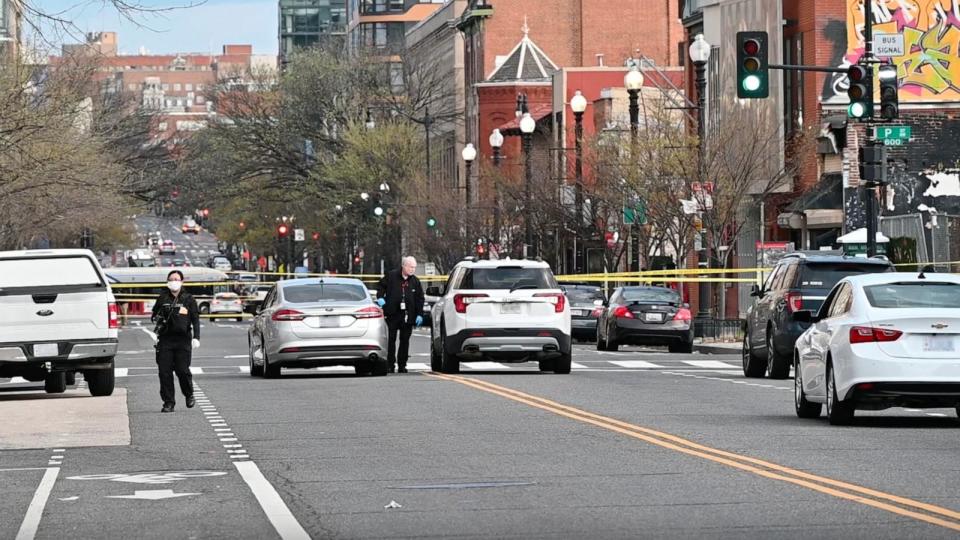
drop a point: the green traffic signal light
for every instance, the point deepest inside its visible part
(753, 69)
(431, 222)
(860, 91)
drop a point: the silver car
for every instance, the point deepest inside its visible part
(315, 322)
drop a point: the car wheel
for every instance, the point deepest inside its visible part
(269, 372)
(436, 362)
(612, 344)
(804, 408)
(71, 378)
(204, 309)
(255, 370)
(684, 347)
(778, 367)
(55, 383)
(840, 413)
(100, 382)
(239, 319)
(380, 368)
(751, 364)
(561, 365)
(545, 365)
(448, 362)
(601, 342)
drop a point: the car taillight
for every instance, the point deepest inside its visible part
(372, 312)
(866, 334)
(596, 313)
(461, 301)
(288, 315)
(113, 315)
(621, 312)
(558, 304)
(794, 302)
(683, 314)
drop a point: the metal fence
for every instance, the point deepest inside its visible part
(723, 330)
(938, 246)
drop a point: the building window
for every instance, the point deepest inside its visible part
(199, 87)
(176, 87)
(162, 126)
(793, 86)
(199, 100)
(165, 86)
(132, 86)
(188, 87)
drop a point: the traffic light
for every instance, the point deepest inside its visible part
(889, 92)
(431, 222)
(206, 212)
(283, 230)
(753, 68)
(316, 236)
(481, 247)
(860, 91)
(378, 210)
(873, 163)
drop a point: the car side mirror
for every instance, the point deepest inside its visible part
(598, 303)
(756, 291)
(805, 316)
(433, 291)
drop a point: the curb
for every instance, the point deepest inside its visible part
(715, 349)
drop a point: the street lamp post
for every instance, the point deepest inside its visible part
(527, 127)
(578, 104)
(700, 54)
(496, 142)
(633, 82)
(469, 154)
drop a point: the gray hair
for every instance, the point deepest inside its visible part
(408, 259)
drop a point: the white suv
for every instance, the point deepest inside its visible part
(58, 316)
(508, 311)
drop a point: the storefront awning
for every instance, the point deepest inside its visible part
(538, 112)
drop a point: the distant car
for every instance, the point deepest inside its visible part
(799, 281)
(190, 226)
(641, 315)
(222, 264)
(257, 294)
(311, 322)
(179, 261)
(879, 341)
(168, 248)
(227, 303)
(586, 305)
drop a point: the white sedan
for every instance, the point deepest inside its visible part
(880, 341)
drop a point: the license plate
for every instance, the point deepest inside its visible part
(938, 344)
(512, 309)
(653, 317)
(577, 312)
(330, 322)
(45, 349)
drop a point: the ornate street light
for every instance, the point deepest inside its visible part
(700, 54)
(578, 104)
(527, 126)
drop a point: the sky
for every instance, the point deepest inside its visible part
(203, 28)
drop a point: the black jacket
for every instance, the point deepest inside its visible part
(391, 289)
(179, 324)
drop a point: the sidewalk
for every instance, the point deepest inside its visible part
(718, 348)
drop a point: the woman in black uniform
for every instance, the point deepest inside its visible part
(176, 315)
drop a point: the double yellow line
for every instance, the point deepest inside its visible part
(902, 506)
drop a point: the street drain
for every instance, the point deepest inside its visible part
(467, 485)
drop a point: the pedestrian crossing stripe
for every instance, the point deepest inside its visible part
(636, 364)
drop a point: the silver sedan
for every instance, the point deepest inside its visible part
(316, 322)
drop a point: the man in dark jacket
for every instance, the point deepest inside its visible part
(400, 295)
(176, 315)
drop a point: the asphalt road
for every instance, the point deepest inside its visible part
(633, 444)
(195, 249)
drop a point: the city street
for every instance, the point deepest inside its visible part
(637, 443)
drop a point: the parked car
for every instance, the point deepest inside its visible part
(257, 294)
(586, 305)
(428, 302)
(58, 316)
(222, 263)
(501, 310)
(168, 248)
(227, 303)
(880, 341)
(640, 315)
(311, 322)
(799, 281)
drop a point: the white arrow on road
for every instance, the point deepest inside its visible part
(152, 495)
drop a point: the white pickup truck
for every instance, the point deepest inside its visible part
(58, 317)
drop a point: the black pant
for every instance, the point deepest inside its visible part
(170, 360)
(396, 324)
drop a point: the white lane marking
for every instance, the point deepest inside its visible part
(642, 364)
(31, 521)
(244, 369)
(938, 415)
(574, 365)
(196, 370)
(418, 366)
(236, 356)
(18, 380)
(149, 333)
(709, 364)
(483, 365)
(120, 372)
(273, 506)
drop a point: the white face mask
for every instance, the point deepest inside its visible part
(174, 286)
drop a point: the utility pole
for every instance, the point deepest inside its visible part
(870, 192)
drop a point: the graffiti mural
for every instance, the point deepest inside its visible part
(929, 71)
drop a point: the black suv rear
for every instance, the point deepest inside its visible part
(800, 281)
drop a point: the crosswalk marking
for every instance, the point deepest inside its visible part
(710, 364)
(574, 365)
(120, 372)
(196, 370)
(417, 366)
(18, 380)
(641, 364)
(483, 365)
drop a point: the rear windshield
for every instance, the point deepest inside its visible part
(509, 277)
(227, 296)
(327, 292)
(826, 275)
(49, 272)
(583, 295)
(914, 295)
(651, 295)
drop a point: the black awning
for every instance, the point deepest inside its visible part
(826, 195)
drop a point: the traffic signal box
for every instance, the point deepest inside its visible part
(860, 92)
(873, 161)
(753, 65)
(889, 92)
(282, 231)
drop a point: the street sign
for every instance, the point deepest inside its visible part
(430, 269)
(298, 235)
(888, 45)
(893, 135)
(637, 215)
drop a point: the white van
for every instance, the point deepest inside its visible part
(58, 316)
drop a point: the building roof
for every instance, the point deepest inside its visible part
(526, 62)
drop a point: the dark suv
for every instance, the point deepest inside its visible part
(800, 281)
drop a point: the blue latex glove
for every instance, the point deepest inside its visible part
(381, 302)
(419, 320)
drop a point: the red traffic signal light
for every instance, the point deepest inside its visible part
(751, 47)
(243, 225)
(356, 260)
(316, 236)
(282, 230)
(206, 212)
